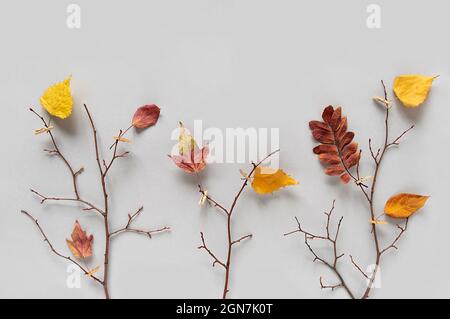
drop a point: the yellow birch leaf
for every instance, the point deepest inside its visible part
(412, 90)
(404, 205)
(57, 99)
(267, 180)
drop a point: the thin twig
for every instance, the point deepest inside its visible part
(58, 152)
(86, 271)
(203, 246)
(128, 228)
(333, 241)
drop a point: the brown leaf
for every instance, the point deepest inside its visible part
(81, 244)
(328, 158)
(337, 150)
(146, 116)
(345, 178)
(334, 170)
(322, 148)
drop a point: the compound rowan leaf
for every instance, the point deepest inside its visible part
(146, 116)
(267, 180)
(81, 244)
(412, 90)
(57, 99)
(337, 150)
(404, 205)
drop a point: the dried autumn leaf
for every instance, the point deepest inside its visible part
(93, 271)
(191, 158)
(267, 180)
(57, 99)
(404, 205)
(122, 139)
(336, 151)
(412, 90)
(186, 142)
(146, 116)
(81, 244)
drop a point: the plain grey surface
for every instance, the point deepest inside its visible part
(230, 64)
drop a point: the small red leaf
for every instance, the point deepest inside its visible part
(319, 125)
(327, 113)
(146, 116)
(345, 178)
(328, 158)
(81, 244)
(335, 170)
(322, 148)
(323, 136)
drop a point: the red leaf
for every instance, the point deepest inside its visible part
(322, 148)
(336, 151)
(345, 178)
(81, 244)
(194, 162)
(146, 116)
(334, 170)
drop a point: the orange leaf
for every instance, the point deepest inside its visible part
(81, 244)
(404, 205)
(267, 180)
(146, 116)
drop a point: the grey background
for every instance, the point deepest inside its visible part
(231, 64)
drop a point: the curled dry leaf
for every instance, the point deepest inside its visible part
(267, 180)
(377, 221)
(81, 244)
(43, 130)
(404, 205)
(336, 151)
(92, 271)
(146, 116)
(191, 158)
(57, 99)
(122, 139)
(412, 90)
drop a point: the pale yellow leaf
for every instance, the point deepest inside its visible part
(186, 142)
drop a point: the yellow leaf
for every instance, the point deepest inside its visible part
(57, 99)
(412, 90)
(186, 142)
(267, 180)
(404, 205)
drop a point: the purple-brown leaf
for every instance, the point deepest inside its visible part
(146, 116)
